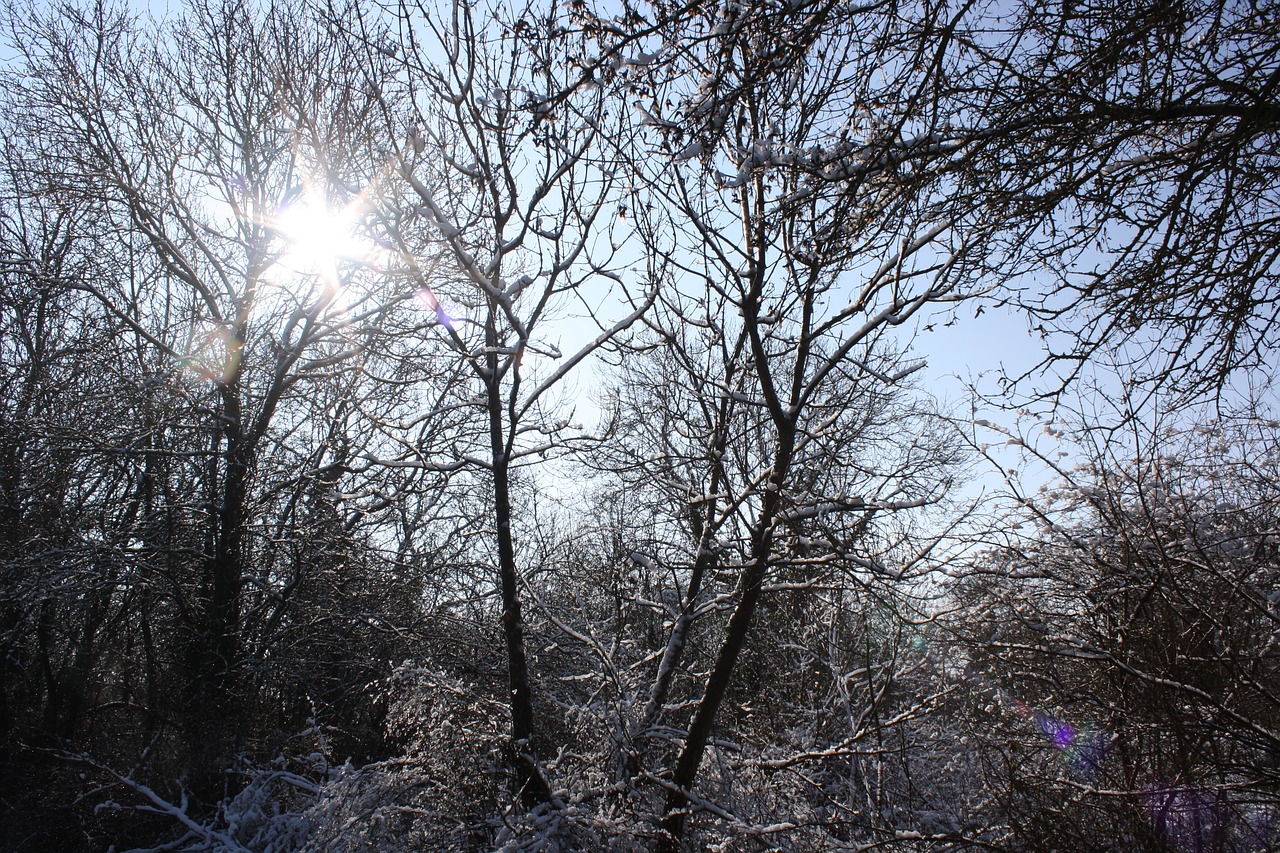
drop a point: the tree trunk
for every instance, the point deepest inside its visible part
(686, 769)
(213, 715)
(529, 781)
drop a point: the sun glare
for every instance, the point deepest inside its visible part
(318, 237)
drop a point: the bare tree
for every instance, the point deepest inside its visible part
(1127, 157)
(80, 581)
(793, 239)
(183, 160)
(521, 191)
(1137, 150)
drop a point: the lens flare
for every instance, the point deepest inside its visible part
(1083, 748)
(427, 299)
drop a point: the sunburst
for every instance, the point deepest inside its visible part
(318, 238)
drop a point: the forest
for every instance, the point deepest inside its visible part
(516, 426)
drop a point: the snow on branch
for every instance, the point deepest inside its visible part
(157, 804)
(849, 505)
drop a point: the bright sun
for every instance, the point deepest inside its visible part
(317, 236)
